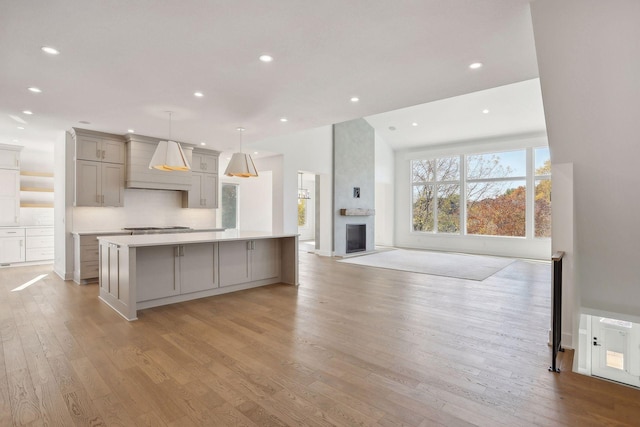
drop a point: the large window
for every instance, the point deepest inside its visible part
(496, 193)
(542, 204)
(486, 193)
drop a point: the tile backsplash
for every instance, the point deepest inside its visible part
(148, 208)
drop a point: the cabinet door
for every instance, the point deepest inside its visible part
(157, 272)
(197, 162)
(9, 197)
(203, 162)
(112, 184)
(113, 151)
(197, 270)
(88, 148)
(194, 196)
(233, 262)
(88, 183)
(265, 259)
(210, 190)
(11, 249)
(9, 159)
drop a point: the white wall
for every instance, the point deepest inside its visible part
(589, 62)
(492, 245)
(384, 171)
(310, 151)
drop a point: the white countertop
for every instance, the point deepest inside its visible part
(187, 238)
(127, 232)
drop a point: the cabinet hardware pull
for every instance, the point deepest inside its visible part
(97, 154)
(103, 153)
(12, 232)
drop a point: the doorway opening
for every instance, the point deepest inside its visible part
(307, 206)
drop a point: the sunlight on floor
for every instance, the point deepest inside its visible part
(29, 283)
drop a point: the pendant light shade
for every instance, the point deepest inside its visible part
(169, 155)
(241, 164)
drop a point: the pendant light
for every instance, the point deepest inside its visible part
(241, 165)
(169, 155)
(303, 193)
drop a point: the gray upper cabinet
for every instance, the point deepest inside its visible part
(99, 148)
(99, 173)
(204, 181)
(204, 162)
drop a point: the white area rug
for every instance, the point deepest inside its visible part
(462, 266)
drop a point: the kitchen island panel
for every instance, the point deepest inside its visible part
(198, 265)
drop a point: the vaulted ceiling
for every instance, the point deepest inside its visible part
(122, 65)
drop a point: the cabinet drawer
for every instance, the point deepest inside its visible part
(40, 231)
(39, 254)
(40, 242)
(89, 253)
(88, 240)
(89, 270)
(12, 232)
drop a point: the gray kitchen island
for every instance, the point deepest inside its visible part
(143, 271)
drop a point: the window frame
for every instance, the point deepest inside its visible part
(528, 180)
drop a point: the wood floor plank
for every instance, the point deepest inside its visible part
(351, 345)
(25, 405)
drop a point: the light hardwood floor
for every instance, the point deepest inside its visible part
(351, 346)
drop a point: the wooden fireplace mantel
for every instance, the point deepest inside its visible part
(357, 212)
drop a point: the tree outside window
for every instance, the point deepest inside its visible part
(495, 198)
(302, 212)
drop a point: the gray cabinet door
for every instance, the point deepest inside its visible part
(210, 190)
(234, 262)
(161, 272)
(197, 267)
(112, 184)
(265, 259)
(88, 183)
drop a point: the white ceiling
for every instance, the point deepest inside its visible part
(123, 64)
(514, 109)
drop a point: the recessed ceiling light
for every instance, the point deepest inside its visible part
(27, 112)
(228, 158)
(414, 124)
(266, 58)
(203, 143)
(21, 127)
(84, 122)
(485, 111)
(355, 99)
(284, 119)
(475, 65)
(131, 131)
(198, 94)
(50, 50)
(255, 152)
(392, 128)
(34, 89)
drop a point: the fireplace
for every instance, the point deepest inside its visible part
(356, 238)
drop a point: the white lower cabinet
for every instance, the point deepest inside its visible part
(12, 247)
(39, 244)
(9, 196)
(243, 261)
(175, 270)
